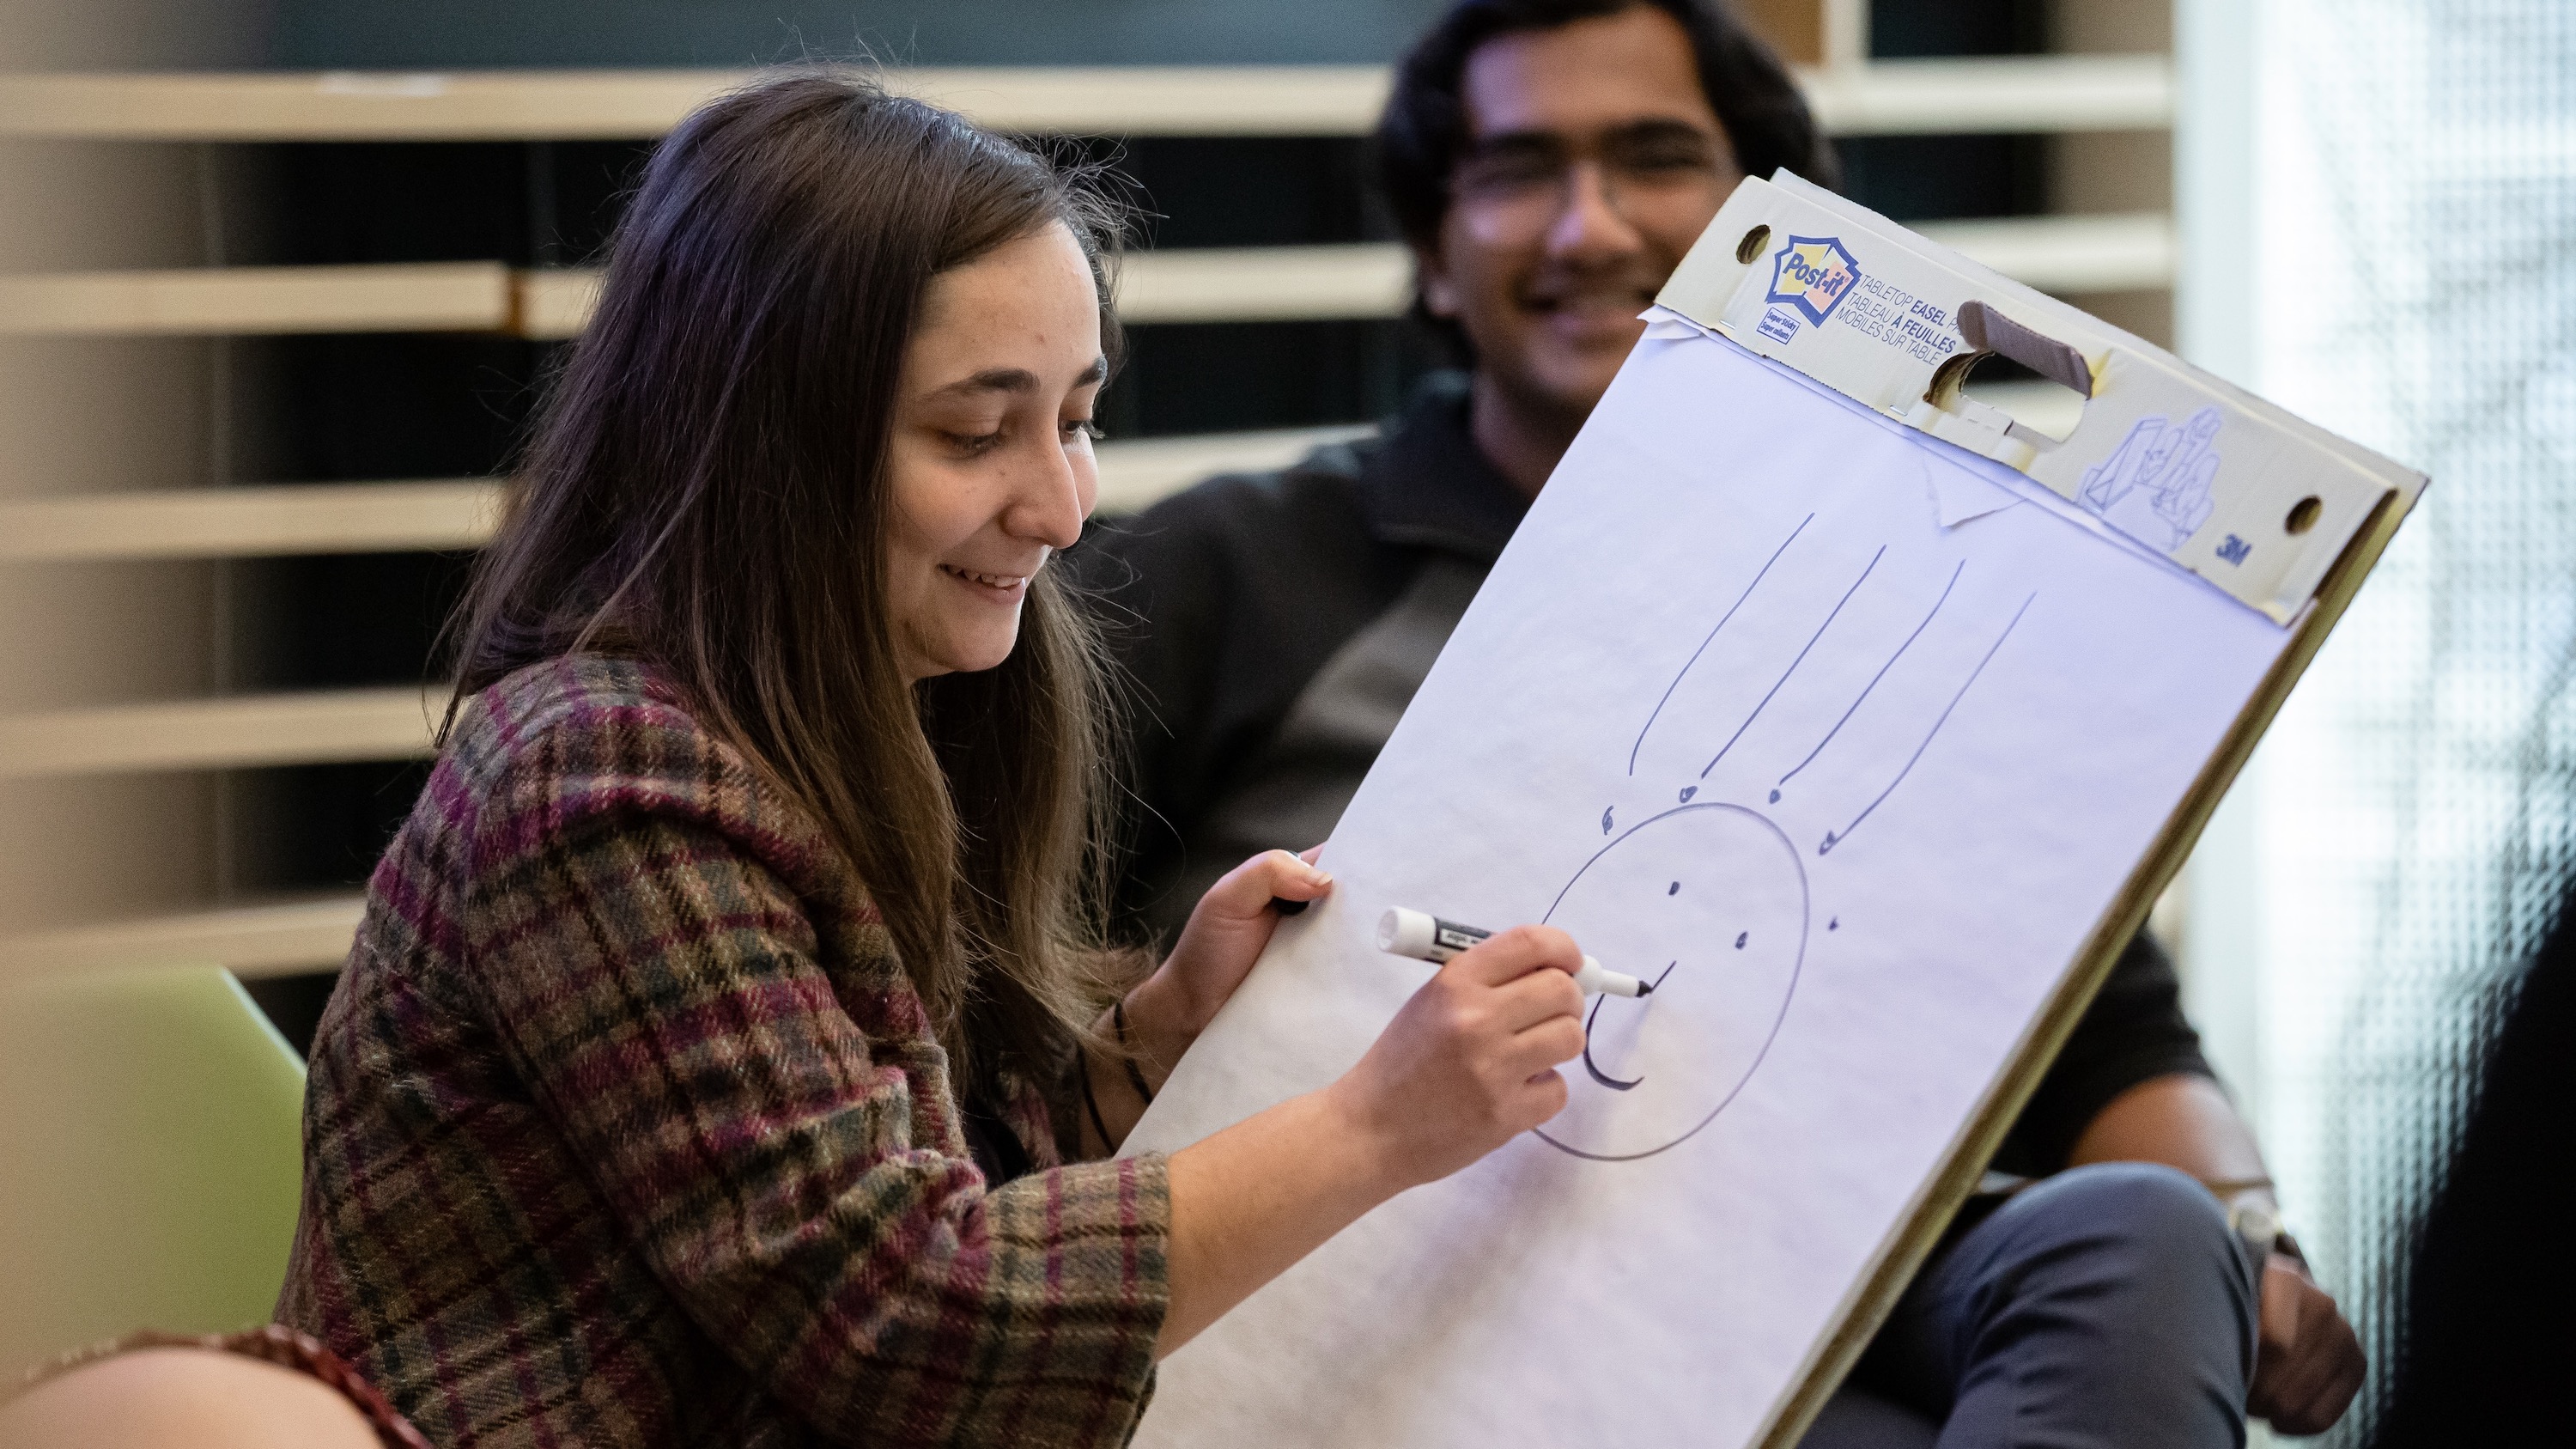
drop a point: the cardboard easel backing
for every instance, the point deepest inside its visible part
(2292, 527)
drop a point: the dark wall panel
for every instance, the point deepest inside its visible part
(335, 621)
(318, 827)
(393, 405)
(324, 34)
(1936, 178)
(1903, 28)
(1202, 191)
(402, 202)
(547, 203)
(1226, 377)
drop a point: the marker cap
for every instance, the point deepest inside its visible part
(1407, 933)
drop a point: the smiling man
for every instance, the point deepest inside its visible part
(1549, 162)
(1567, 203)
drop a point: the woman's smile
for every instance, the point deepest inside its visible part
(1000, 588)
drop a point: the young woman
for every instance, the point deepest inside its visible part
(723, 1058)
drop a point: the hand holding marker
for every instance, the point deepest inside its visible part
(1427, 938)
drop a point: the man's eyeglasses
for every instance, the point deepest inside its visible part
(1525, 178)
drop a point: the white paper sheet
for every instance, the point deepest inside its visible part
(1740, 712)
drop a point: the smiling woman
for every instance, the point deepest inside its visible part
(728, 1053)
(992, 465)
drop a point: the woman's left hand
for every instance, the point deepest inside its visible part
(1225, 935)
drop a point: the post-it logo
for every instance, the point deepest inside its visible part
(1813, 274)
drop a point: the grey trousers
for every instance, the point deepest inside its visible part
(2108, 1307)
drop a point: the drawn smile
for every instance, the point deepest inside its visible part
(1598, 1075)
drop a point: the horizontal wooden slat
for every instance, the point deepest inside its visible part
(251, 522)
(572, 105)
(1214, 284)
(460, 512)
(532, 105)
(1136, 475)
(259, 940)
(2053, 253)
(237, 732)
(1263, 284)
(1280, 100)
(1217, 284)
(2010, 93)
(2015, 94)
(2068, 254)
(555, 302)
(421, 297)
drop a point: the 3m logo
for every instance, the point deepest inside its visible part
(1813, 274)
(2234, 549)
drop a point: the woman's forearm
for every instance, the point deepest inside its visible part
(1239, 1220)
(1467, 1064)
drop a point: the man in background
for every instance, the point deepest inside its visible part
(1549, 162)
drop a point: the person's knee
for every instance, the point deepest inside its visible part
(2110, 1295)
(2139, 1252)
(2144, 1202)
(2149, 1224)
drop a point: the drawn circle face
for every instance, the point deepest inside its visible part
(1709, 902)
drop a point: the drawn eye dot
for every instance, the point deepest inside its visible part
(1740, 938)
(1835, 924)
(1674, 889)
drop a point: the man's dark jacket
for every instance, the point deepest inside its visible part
(1275, 624)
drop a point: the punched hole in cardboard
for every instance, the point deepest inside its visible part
(2303, 515)
(2042, 384)
(1751, 247)
(2051, 409)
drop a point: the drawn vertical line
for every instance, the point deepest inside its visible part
(1794, 663)
(1875, 678)
(1712, 637)
(1834, 838)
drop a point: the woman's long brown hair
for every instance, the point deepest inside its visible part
(706, 489)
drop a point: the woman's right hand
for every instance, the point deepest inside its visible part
(1469, 1062)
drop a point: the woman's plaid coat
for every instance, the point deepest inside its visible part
(626, 1128)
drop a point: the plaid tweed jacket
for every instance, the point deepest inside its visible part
(625, 1127)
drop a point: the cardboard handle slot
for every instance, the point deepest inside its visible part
(1991, 331)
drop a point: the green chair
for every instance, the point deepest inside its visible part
(150, 1158)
